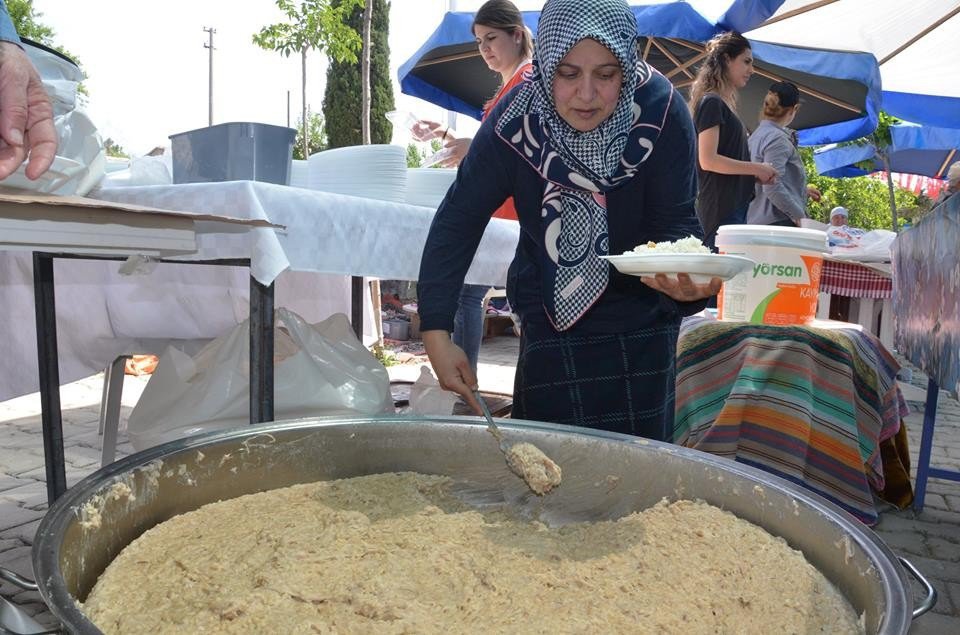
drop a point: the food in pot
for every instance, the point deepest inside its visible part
(536, 468)
(688, 245)
(398, 553)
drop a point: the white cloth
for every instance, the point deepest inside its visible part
(101, 314)
(325, 232)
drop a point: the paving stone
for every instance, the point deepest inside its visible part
(942, 549)
(31, 494)
(6, 544)
(935, 624)
(904, 543)
(24, 532)
(18, 561)
(936, 569)
(944, 605)
(10, 482)
(14, 516)
(19, 462)
(81, 456)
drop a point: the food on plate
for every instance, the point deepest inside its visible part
(399, 553)
(688, 245)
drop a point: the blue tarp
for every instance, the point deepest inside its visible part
(679, 20)
(924, 150)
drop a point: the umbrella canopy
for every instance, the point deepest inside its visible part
(841, 89)
(914, 42)
(924, 150)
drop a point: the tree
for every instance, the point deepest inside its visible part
(114, 150)
(28, 25)
(313, 25)
(317, 136)
(865, 197)
(342, 100)
(365, 72)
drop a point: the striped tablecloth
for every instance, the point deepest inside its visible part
(854, 280)
(811, 405)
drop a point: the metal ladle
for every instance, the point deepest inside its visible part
(525, 460)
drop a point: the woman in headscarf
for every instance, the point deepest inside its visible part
(597, 151)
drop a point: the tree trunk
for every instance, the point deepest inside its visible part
(306, 123)
(365, 72)
(893, 200)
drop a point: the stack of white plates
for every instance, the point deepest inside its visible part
(428, 186)
(371, 171)
(300, 173)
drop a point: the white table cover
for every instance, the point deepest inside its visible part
(101, 314)
(329, 233)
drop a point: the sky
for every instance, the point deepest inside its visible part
(148, 69)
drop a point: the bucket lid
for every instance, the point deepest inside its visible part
(799, 237)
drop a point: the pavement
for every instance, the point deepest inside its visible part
(930, 540)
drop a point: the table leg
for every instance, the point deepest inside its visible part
(823, 306)
(886, 324)
(47, 363)
(261, 352)
(924, 471)
(357, 296)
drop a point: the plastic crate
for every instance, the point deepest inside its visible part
(239, 151)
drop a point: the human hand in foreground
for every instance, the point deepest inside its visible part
(683, 289)
(426, 130)
(26, 115)
(813, 192)
(766, 173)
(454, 151)
(451, 366)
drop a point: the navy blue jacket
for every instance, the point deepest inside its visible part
(656, 205)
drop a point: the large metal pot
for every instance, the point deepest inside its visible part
(605, 476)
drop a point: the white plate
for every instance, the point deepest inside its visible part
(701, 267)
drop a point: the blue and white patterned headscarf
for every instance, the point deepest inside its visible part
(580, 167)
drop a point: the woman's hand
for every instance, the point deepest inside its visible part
(426, 130)
(813, 192)
(451, 366)
(455, 149)
(683, 289)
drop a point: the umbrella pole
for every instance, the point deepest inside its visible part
(890, 192)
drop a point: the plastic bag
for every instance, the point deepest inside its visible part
(81, 159)
(428, 398)
(852, 242)
(319, 369)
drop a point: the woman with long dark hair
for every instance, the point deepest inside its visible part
(727, 176)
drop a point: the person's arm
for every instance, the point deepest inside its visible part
(777, 152)
(707, 143)
(484, 181)
(669, 214)
(26, 115)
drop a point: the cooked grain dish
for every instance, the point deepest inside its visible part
(397, 553)
(688, 245)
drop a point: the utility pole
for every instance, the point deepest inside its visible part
(210, 31)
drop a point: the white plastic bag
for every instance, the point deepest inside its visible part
(852, 242)
(319, 369)
(81, 159)
(428, 398)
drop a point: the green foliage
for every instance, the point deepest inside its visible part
(415, 155)
(317, 136)
(313, 24)
(341, 103)
(114, 150)
(866, 198)
(26, 21)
